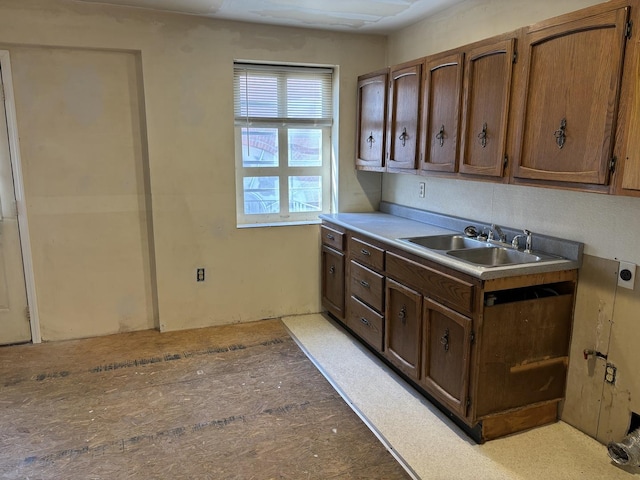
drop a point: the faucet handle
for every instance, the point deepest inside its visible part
(529, 240)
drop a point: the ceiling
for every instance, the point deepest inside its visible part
(360, 16)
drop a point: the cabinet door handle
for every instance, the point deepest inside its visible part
(483, 135)
(364, 284)
(371, 140)
(444, 340)
(403, 314)
(365, 252)
(330, 237)
(403, 136)
(561, 134)
(365, 321)
(332, 269)
(440, 136)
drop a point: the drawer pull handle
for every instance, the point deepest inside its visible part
(444, 340)
(403, 314)
(330, 237)
(365, 252)
(365, 321)
(364, 284)
(332, 269)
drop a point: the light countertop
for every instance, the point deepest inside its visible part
(389, 228)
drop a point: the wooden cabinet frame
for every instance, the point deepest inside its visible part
(403, 116)
(371, 121)
(568, 117)
(616, 141)
(487, 97)
(441, 109)
(493, 353)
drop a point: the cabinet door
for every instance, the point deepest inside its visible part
(403, 328)
(573, 75)
(447, 349)
(333, 281)
(487, 91)
(442, 95)
(370, 124)
(403, 116)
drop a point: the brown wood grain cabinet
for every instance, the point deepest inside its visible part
(333, 270)
(487, 94)
(492, 353)
(626, 177)
(371, 121)
(441, 105)
(403, 117)
(365, 290)
(403, 329)
(573, 71)
(563, 116)
(446, 355)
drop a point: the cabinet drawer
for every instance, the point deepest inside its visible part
(366, 323)
(332, 238)
(451, 291)
(366, 254)
(367, 285)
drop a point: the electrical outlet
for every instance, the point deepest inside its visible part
(423, 189)
(627, 275)
(200, 275)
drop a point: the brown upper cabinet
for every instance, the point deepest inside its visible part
(441, 102)
(487, 92)
(403, 116)
(555, 104)
(626, 179)
(370, 125)
(572, 71)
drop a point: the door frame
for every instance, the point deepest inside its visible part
(18, 184)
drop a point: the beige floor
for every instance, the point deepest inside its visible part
(428, 443)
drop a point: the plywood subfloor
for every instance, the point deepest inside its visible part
(235, 402)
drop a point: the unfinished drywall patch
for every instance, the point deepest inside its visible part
(79, 118)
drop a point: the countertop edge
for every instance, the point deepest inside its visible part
(388, 228)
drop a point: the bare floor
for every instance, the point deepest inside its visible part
(430, 444)
(238, 402)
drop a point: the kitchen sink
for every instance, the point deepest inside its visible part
(496, 256)
(477, 252)
(447, 242)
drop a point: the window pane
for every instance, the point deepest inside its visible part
(305, 147)
(259, 147)
(305, 194)
(261, 195)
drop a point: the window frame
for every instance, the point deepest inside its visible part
(283, 171)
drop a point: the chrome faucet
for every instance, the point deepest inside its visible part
(529, 241)
(495, 228)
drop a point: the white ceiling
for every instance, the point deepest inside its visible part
(365, 16)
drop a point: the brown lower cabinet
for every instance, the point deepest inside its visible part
(492, 354)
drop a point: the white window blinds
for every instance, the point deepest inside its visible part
(264, 94)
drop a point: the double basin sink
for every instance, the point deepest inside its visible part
(477, 252)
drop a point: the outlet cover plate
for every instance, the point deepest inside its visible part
(627, 275)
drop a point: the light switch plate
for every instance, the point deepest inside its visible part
(627, 275)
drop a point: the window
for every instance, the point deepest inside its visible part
(283, 121)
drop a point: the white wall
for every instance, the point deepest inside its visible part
(183, 76)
